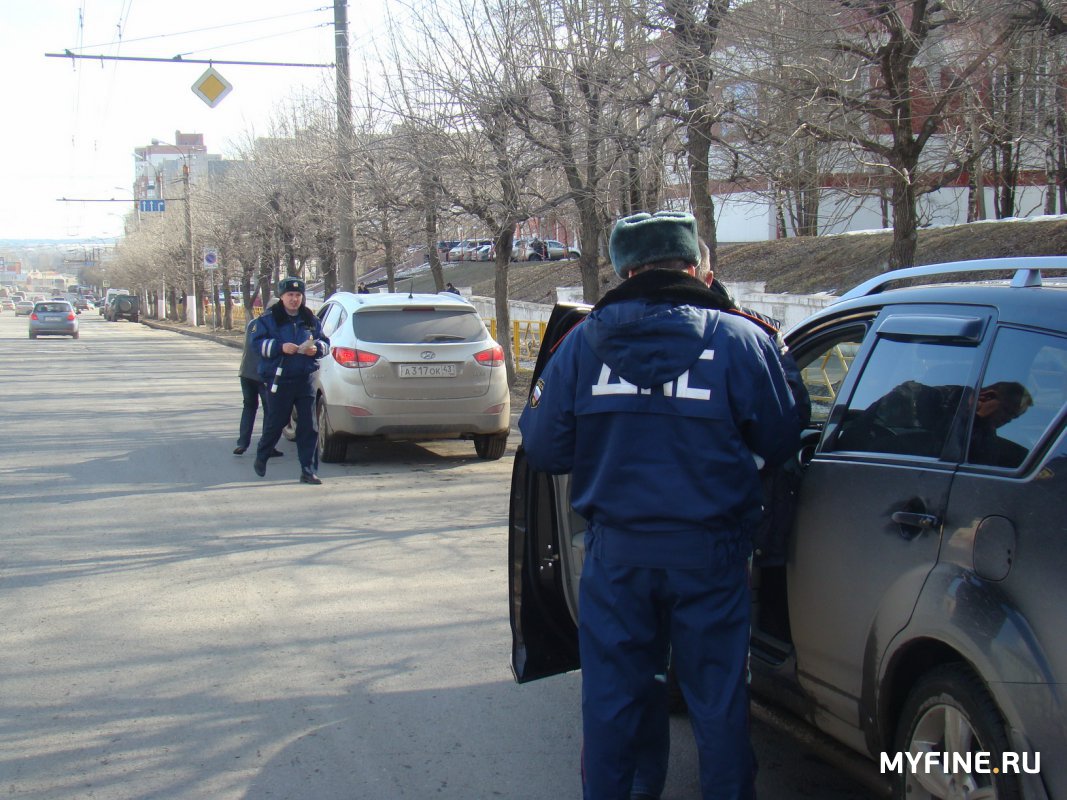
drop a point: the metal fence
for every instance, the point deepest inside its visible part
(526, 336)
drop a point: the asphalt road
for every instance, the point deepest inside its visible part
(172, 626)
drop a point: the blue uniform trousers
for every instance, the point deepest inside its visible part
(289, 394)
(628, 615)
(254, 394)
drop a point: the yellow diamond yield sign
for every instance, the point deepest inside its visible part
(211, 87)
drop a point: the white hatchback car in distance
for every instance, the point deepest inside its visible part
(413, 367)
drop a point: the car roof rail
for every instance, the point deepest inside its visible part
(1027, 272)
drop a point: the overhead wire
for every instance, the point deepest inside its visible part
(255, 39)
(82, 130)
(211, 28)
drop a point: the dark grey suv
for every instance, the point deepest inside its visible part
(917, 611)
(123, 306)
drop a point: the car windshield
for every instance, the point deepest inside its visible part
(52, 307)
(418, 326)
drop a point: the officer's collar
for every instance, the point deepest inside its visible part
(670, 285)
(281, 315)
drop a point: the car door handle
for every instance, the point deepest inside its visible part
(914, 520)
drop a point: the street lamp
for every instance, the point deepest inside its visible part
(190, 300)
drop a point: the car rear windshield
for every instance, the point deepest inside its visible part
(52, 307)
(418, 326)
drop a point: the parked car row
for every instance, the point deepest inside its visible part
(467, 250)
(917, 606)
(523, 249)
(542, 250)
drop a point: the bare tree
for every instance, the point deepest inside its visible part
(482, 168)
(694, 32)
(586, 61)
(887, 83)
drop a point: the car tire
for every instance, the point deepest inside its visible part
(332, 448)
(33, 335)
(75, 335)
(950, 704)
(491, 447)
(533, 257)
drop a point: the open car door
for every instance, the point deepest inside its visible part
(546, 544)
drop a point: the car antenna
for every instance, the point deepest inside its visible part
(411, 289)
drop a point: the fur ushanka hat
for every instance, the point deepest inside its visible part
(645, 238)
(290, 284)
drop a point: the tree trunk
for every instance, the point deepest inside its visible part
(503, 317)
(430, 227)
(589, 264)
(905, 223)
(698, 149)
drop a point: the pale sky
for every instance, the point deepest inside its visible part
(69, 128)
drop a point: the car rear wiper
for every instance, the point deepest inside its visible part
(444, 337)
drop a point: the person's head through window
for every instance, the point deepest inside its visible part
(997, 405)
(1001, 402)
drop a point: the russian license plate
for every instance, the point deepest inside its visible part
(427, 370)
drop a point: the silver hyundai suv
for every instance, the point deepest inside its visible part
(410, 366)
(915, 609)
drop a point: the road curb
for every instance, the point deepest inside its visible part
(234, 340)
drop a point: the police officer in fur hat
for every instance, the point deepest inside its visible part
(662, 393)
(290, 342)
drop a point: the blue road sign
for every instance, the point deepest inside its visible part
(152, 205)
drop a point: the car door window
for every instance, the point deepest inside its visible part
(824, 365)
(1023, 390)
(907, 398)
(332, 316)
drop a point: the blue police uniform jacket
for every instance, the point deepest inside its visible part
(275, 328)
(656, 408)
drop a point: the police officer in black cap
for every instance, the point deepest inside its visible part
(290, 342)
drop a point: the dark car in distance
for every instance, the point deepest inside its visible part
(916, 612)
(123, 306)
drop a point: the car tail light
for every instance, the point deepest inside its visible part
(352, 358)
(493, 357)
(70, 315)
(33, 315)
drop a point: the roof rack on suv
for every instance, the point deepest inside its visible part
(1027, 272)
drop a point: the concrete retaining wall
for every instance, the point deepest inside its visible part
(790, 309)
